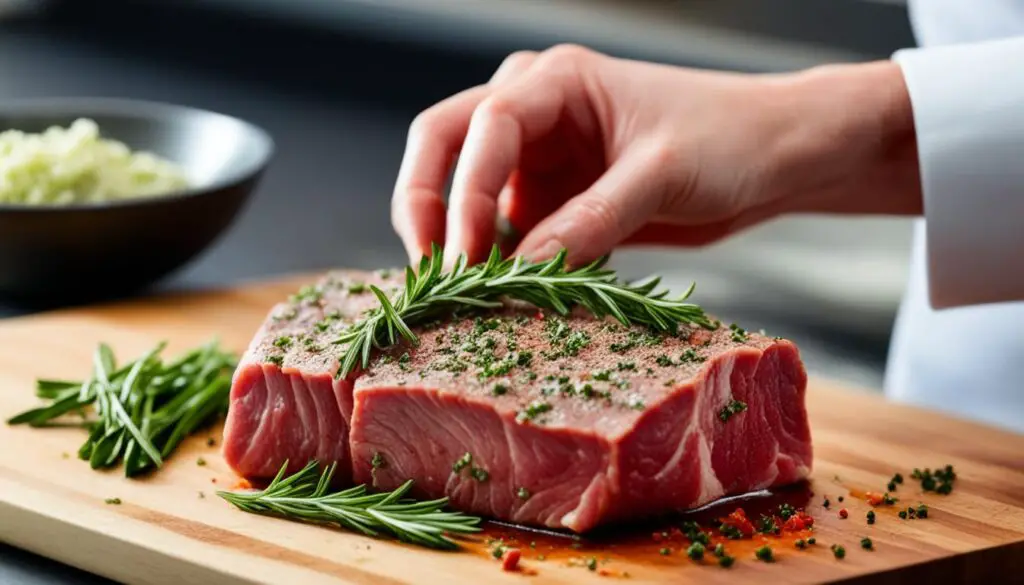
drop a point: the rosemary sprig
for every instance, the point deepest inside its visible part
(143, 410)
(430, 292)
(304, 497)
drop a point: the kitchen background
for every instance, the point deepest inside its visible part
(337, 82)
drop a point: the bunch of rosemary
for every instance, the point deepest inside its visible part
(304, 497)
(430, 293)
(142, 410)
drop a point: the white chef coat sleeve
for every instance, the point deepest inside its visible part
(968, 104)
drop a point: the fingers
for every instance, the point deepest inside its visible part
(523, 109)
(435, 137)
(593, 223)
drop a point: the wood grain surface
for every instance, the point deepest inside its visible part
(172, 528)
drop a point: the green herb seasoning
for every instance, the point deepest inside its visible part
(719, 550)
(284, 342)
(479, 474)
(691, 356)
(731, 532)
(113, 501)
(731, 409)
(665, 551)
(695, 551)
(871, 516)
(865, 543)
(201, 462)
(739, 335)
(635, 339)
(277, 360)
(922, 511)
(533, 410)
(309, 294)
(378, 461)
(523, 494)
(462, 462)
(499, 389)
(726, 562)
(812, 540)
(767, 525)
(765, 554)
(592, 564)
(839, 551)
(786, 511)
(800, 543)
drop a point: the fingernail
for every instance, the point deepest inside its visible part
(450, 256)
(545, 251)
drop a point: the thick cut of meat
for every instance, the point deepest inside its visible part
(533, 418)
(286, 404)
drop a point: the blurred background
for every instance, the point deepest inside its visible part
(337, 82)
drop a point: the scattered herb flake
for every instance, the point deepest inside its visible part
(734, 407)
(839, 551)
(533, 410)
(695, 551)
(462, 462)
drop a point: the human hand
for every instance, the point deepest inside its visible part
(583, 151)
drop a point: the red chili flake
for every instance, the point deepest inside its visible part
(213, 480)
(875, 499)
(699, 337)
(241, 484)
(510, 560)
(794, 524)
(675, 533)
(540, 315)
(843, 513)
(808, 520)
(739, 521)
(658, 536)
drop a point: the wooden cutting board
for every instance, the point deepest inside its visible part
(171, 528)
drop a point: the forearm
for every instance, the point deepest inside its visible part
(851, 144)
(937, 132)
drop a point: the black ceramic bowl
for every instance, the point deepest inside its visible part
(78, 253)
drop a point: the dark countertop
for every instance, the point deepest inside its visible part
(338, 108)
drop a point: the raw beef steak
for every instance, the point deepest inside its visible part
(524, 415)
(285, 403)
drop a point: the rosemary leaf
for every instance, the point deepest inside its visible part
(430, 293)
(142, 410)
(305, 497)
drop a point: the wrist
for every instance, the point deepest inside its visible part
(849, 144)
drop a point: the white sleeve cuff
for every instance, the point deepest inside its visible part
(968, 103)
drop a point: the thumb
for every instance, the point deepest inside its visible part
(591, 224)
